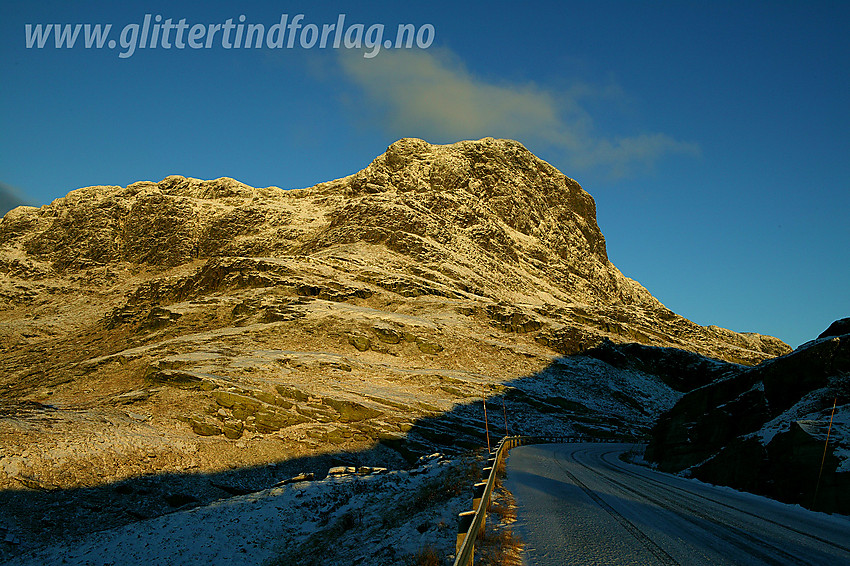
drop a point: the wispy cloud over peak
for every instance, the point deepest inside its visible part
(431, 94)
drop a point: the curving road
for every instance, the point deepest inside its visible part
(579, 504)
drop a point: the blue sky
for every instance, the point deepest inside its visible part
(714, 136)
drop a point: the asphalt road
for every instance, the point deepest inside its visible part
(580, 504)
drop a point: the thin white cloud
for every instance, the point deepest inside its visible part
(430, 94)
(620, 155)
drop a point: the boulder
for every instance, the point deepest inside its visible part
(428, 347)
(359, 341)
(349, 411)
(272, 420)
(205, 426)
(232, 428)
(388, 334)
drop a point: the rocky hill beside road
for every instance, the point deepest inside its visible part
(781, 428)
(220, 335)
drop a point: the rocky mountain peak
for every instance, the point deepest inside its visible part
(172, 330)
(489, 180)
(485, 219)
(495, 190)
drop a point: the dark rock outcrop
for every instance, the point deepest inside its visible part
(764, 429)
(837, 328)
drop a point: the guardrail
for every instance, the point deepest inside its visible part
(471, 523)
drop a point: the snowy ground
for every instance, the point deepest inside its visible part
(353, 518)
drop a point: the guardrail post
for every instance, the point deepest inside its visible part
(464, 522)
(477, 494)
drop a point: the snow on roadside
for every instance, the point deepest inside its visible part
(346, 519)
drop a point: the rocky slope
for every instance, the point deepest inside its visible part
(770, 428)
(220, 335)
